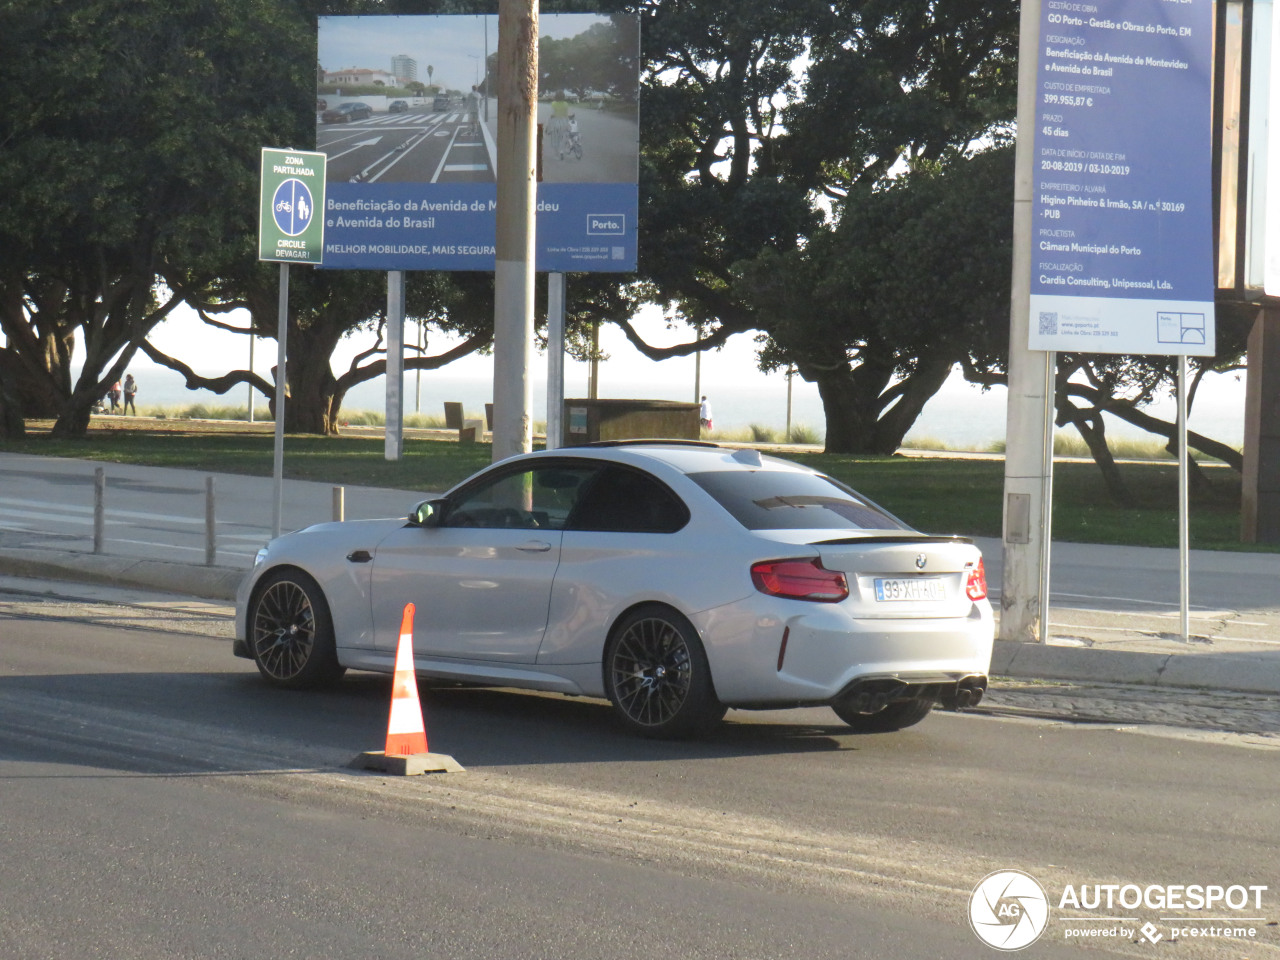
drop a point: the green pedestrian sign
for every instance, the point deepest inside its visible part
(291, 214)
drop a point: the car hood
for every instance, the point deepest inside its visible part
(366, 533)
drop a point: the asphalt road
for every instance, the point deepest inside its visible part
(159, 800)
(424, 145)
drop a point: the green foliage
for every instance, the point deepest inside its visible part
(131, 134)
(912, 279)
(739, 149)
(803, 433)
(899, 80)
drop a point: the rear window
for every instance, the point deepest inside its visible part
(782, 500)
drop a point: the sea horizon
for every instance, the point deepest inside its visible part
(960, 416)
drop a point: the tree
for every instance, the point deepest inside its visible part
(326, 306)
(742, 156)
(130, 152)
(877, 310)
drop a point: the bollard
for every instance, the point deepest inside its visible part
(339, 504)
(210, 527)
(99, 508)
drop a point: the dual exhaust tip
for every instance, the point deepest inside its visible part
(873, 695)
(968, 692)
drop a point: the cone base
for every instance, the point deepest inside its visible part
(412, 765)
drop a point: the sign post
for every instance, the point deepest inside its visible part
(289, 231)
(1118, 225)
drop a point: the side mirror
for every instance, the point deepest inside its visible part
(427, 513)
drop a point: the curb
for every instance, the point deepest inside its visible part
(1240, 672)
(208, 583)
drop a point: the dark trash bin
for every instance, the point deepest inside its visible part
(588, 421)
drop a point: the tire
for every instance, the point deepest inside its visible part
(657, 677)
(291, 632)
(894, 716)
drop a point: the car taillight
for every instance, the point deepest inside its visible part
(975, 587)
(805, 579)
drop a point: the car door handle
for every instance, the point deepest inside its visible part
(534, 546)
(359, 556)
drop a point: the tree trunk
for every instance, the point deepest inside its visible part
(12, 426)
(849, 428)
(1093, 430)
(1199, 486)
(866, 411)
(73, 420)
(912, 394)
(335, 408)
(309, 408)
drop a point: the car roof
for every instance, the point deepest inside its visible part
(685, 456)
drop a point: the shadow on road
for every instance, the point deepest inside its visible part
(224, 722)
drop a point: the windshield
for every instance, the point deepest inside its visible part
(783, 500)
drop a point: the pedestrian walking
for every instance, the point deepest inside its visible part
(130, 391)
(704, 413)
(113, 395)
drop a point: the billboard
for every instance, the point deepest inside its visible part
(405, 111)
(1122, 257)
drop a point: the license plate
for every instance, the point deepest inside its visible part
(914, 588)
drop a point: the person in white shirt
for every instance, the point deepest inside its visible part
(705, 413)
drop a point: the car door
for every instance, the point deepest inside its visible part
(480, 577)
(618, 543)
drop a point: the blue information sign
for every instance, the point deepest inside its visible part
(404, 226)
(1122, 256)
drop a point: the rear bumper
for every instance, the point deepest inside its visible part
(869, 694)
(767, 652)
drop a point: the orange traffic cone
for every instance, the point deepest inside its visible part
(406, 748)
(406, 732)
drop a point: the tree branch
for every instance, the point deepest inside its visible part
(218, 385)
(714, 339)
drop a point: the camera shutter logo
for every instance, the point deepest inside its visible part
(1008, 910)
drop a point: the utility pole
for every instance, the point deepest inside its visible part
(516, 134)
(1026, 479)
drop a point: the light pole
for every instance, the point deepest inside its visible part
(422, 345)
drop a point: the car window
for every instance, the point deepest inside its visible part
(625, 500)
(537, 497)
(785, 500)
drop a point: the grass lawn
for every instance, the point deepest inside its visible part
(934, 494)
